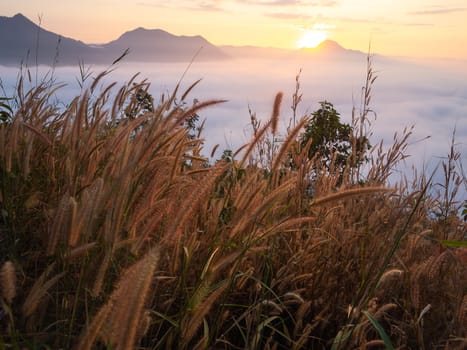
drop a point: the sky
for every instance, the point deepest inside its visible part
(415, 28)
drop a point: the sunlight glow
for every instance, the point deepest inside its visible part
(312, 38)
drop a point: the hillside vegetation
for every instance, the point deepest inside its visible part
(117, 233)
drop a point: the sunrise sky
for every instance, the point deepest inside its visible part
(416, 28)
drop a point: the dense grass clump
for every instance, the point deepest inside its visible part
(117, 233)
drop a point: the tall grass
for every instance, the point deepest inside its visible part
(116, 233)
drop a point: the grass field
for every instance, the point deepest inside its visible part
(117, 233)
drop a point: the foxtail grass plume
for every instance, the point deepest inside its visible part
(8, 281)
(276, 112)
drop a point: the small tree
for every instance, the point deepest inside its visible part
(141, 102)
(331, 139)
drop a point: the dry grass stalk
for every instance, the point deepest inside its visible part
(39, 290)
(101, 272)
(89, 207)
(73, 236)
(301, 342)
(276, 112)
(87, 341)
(196, 108)
(246, 196)
(378, 344)
(290, 225)
(258, 209)
(8, 281)
(118, 320)
(192, 322)
(389, 277)
(199, 195)
(270, 307)
(251, 146)
(439, 266)
(61, 225)
(302, 310)
(383, 310)
(288, 143)
(292, 297)
(80, 251)
(349, 193)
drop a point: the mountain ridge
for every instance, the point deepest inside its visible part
(31, 42)
(23, 41)
(30, 39)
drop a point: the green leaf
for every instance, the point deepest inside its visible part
(340, 338)
(257, 337)
(380, 329)
(448, 243)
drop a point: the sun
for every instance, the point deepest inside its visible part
(311, 38)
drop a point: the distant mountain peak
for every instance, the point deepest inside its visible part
(143, 36)
(146, 30)
(329, 45)
(22, 19)
(20, 16)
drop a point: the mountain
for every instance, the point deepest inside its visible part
(24, 41)
(328, 49)
(159, 45)
(327, 46)
(331, 48)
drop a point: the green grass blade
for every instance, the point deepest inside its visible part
(340, 338)
(380, 329)
(448, 243)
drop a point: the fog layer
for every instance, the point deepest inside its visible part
(430, 96)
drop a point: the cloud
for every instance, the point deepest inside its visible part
(151, 4)
(208, 6)
(319, 3)
(352, 20)
(438, 11)
(285, 15)
(433, 98)
(218, 5)
(376, 21)
(235, 5)
(414, 24)
(204, 5)
(271, 2)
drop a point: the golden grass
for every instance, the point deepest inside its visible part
(8, 281)
(118, 321)
(39, 290)
(276, 112)
(121, 236)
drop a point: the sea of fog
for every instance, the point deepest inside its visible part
(431, 96)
